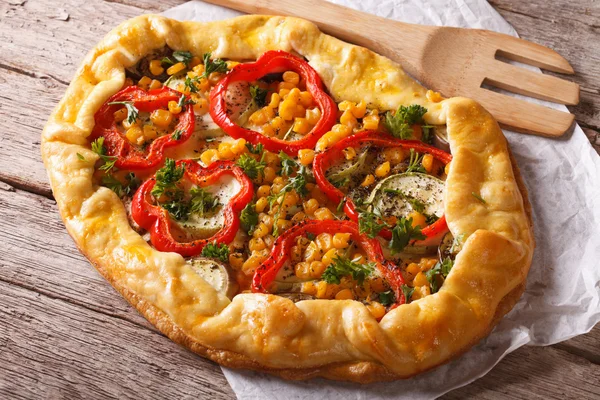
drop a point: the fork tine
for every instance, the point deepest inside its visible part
(530, 53)
(534, 84)
(523, 116)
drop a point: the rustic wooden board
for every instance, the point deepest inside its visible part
(65, 333)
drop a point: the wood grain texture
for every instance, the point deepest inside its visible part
(65, 333)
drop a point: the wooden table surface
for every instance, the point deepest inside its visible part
(65, 333)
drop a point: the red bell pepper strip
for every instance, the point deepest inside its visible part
(324, 160)
(128, 156)
(265, 274)
(155, 219)
(271, 62)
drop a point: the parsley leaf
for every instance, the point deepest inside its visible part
(341, 267)
(201, 201)
(113, 184)
(177, 134)
(297, 183)
(259, 95)
(183, 101)
(133, 182)
(178, 56)
(255, 149)
(82, 158)
(190, 84)
(387, 298)
(288, 164)
(251, 167)
(369, 222)
(218, 251)
(439, 273)
(166, 180)
(249, 217)
(415, 163)
(210, 66)
(99, 148)
(400, 123)
(132, 111)
(407, 291)
(403, 233)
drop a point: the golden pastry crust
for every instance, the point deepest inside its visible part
(332, 339)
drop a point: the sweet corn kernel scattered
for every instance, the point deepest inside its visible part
(306, 156)
(382, 170)
(174, 107)
(175, 68)
(427, 162)
(161, 118)
(368, 181)
(344, 294)
(209, 156)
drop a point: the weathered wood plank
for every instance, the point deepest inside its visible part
(536, 373)
(54, 349)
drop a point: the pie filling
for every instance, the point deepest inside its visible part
(277, 188)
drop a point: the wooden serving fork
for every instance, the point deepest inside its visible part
(453, 61)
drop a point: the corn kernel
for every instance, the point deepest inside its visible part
(214, 77)
(231, 64)
(298, 217)
(263, 191)
(418, 219)
(287, 109)
(341, 130)
(427, 163)
(413, 269)
(267, 220)
(345, 105)
(174, 107)
(359, 110)
(261, 230)
(274, 102)
(301, 125)
(434, 97)
(376, 309)
(209, 156)
(236, 260)
(155, 84)
(256, 244)
(348, 119)
(420, 279)
(135, 135)
(378, 284)
(150, 132)
(290, 199)
(285, 86)
(269, 174)
(313, 115)
(306, 99)
(382, 170)
(175, 68)
(144, 82)
(341, 240)
(344, 294)
(321, 290)
(252, 263)
(395, 155)
(120, 114)
(283, 93)
(309, 288)
(224, 151)
(306, 156)
(316, 269)
(368, 181)
(312, 253)
(310, 206)
(161, 118)
(283, 224)
(258, 117)
(323, 241)
(261, 204)
(291, 77)
(349, 153)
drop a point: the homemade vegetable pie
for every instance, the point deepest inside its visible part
(276, 199)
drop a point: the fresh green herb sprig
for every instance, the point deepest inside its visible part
(403, 233)
(218, 251)
(255, 149)
(249, 218)
(132, 111)
(251, 167)
(438, 274)
(178, 56)
(407, 291)
(341, 267)
(370, 221)
(415, 162)
(259, 95)
(387, 298)
(122, 190)
(213, 65)
(99, 148)
(166, 180)
(399, 124)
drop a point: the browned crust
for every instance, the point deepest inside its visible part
(359, 372)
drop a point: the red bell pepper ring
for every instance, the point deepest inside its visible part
(155, 219)
(325, 159)
(265, 274)
(128, 156)
(270, 62)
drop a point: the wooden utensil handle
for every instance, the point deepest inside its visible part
(353, 26)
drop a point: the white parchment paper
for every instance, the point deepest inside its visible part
(562, 298)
